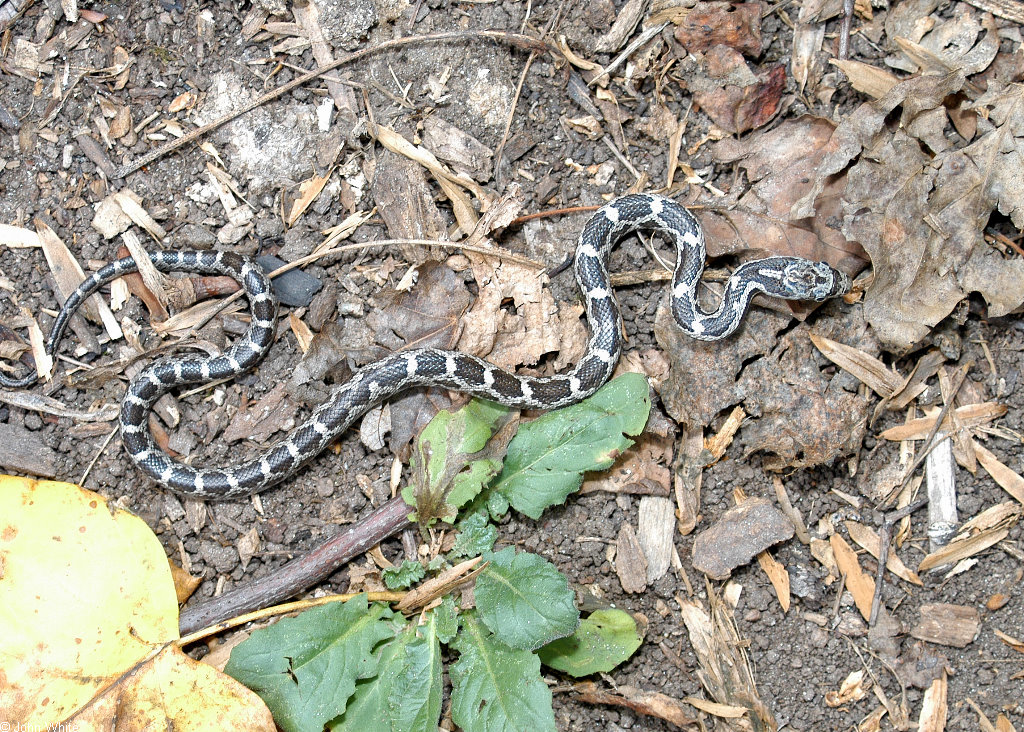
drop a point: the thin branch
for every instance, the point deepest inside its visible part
(302, 573)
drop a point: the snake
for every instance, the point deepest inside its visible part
(790, 278)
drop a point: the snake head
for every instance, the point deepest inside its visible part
(807, 280)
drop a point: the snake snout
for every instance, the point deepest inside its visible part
(817, 281)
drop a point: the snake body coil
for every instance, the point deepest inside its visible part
(786, 277)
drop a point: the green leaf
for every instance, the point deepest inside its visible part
(524, 599)
(447, 615)
(452, 460)
(365, 708)
(476, 536)
(547, 458)
(496, 688)
(437, 563)
(306, 668)
(404, 575)
(405, 696)
(414, 702)
(604, 640)
(497, 505)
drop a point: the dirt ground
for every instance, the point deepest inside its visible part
(181, 48)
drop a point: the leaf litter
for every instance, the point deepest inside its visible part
(921, 182)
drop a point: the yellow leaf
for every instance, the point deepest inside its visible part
(89, 611)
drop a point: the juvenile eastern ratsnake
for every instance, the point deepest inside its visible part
(786, 277)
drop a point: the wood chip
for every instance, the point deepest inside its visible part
(655, 531)
(933, 707)
(17, 237)
(860, 584)
(971, 415)
(129, 203)
(25, 452)
(630, 562)
(948, 625)
(778, 576)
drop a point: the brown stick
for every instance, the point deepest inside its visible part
(302, 573)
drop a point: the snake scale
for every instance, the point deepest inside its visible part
(785, 277)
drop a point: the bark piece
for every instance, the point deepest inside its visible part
(25, 452)
(740, 535)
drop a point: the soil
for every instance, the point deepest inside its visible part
(181, 47)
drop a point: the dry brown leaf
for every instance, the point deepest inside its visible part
(866, 537)
(184, 583)
(966, 417)
(854, 688)
(537, 327)
(457, 147)
(1006, 478)
(801, 419)
(730, 25)
(865, 78)
(860, 584)
(808, 38)
(650, 703)
(920, 204)
(450, 183)
(68, 274)
(301, 331)
(642, 470)
(874, 374)
(984, 530)
(273, 412)
(778, 576)
(780, 165)
(952, 44)
(309, 189)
